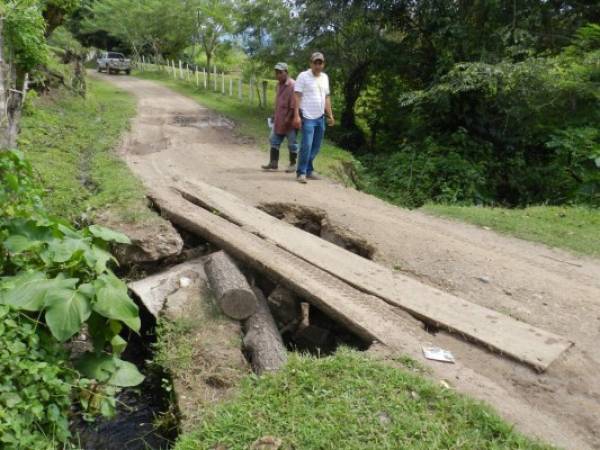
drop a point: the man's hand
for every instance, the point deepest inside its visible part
(297, 123)
(330, 121)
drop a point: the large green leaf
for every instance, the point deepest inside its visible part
(28, 291)
(62, 250)
(125, 375)
(109, 369)
(18, 243)
(97, 259)
(108, 235)
(66, 311)
(113, 302)
(99, 367)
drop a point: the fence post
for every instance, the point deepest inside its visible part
(187, 72)
(264, 93)
(205, 78)
(240, 87)
(197, 77)
(174, 70)
(223, 83)
(215, 78)
(231, 86)
(143, 61)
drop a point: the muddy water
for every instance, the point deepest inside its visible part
(145, 418)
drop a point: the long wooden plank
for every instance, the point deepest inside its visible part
(497, 331)
(366, 315)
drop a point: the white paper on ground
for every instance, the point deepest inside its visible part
(438, 354)
(270, 122)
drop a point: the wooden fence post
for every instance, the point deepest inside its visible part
(240, 89)
(231, 86)
(143, 61)
(197, 77)
(205, 77)
(180, 70)
(215, 78)
(223, 83)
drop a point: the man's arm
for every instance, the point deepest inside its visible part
(297, 120)
(329, 111)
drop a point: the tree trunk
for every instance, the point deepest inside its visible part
(208, 60)
(233, 293)
(262, 339)
(353, 137)
(11, 101)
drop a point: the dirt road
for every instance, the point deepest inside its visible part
(173, 137)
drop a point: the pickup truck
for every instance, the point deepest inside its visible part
(113, 62)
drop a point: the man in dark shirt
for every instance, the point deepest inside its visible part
(283, 119)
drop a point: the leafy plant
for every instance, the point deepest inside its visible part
(35, 391)
(60, 277)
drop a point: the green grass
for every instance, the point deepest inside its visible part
(348, 401)
(250, 119)
(70, 142)
(575, 228)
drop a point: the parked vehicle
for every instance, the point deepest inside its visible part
(112, 62)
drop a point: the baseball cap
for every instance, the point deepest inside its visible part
(317, 55)
(281, 66)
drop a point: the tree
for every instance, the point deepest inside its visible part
(353, 35)
(214, 19)
(22, 48)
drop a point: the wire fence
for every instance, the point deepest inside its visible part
(252, 91)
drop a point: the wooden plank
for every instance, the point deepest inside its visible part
(497, 331)
(369, 317)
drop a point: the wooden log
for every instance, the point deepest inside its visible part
(285, 308)
(262, 339)
(233, 293)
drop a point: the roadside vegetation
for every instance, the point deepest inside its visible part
(352, 402)
(70, 141)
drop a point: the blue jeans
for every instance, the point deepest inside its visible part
(313, 131)
(277, 139)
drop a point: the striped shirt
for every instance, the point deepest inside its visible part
(314, 90)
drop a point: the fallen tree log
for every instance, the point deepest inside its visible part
(232, 291)
(262, 339)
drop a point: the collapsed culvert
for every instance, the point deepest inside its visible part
(316, 221)
(145, 418)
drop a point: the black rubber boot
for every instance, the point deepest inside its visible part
(292, 167)
(274, 160)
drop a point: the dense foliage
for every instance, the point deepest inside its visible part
(58, 279)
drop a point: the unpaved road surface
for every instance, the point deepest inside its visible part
(173, 138)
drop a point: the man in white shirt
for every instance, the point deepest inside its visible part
(312, 106)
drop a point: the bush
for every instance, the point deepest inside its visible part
(56, 280)
(35, 388)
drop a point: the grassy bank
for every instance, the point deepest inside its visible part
(250, 120)
(70, 142)
(574, 228)
(348, 401)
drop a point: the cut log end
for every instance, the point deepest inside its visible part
(238, 304)
(232, 291)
